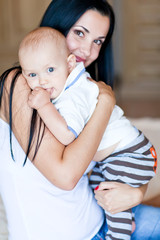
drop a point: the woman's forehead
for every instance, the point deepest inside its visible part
(94, 21)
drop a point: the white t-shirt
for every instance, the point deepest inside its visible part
(38, 210)
(77, 102)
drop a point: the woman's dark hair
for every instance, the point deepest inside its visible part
(62, 15)
(41, 127)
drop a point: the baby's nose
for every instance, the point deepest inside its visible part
(42, 80)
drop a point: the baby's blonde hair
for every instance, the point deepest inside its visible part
(40, 36)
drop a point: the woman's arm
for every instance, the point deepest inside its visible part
(62, 166)
(116, 197)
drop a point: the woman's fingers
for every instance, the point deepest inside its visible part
(116, 197)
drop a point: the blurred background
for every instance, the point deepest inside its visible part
(137, 56)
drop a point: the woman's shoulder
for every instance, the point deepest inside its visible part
(16, 76)
(15, 92)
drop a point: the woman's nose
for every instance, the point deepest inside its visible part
(86, 49)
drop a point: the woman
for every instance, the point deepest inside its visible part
(40, 209)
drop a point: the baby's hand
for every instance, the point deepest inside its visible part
(38, 98)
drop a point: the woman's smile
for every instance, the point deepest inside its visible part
(79, 59)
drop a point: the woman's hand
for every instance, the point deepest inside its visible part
(115, 197)
(105, 89)
(105, 92)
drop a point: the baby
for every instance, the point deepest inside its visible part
(65, 100)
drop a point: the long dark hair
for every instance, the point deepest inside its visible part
(62, 15)
(17, 72)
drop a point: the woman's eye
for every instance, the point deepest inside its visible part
(32, 74)
(98, 42)
(79, 33)
(50, 69)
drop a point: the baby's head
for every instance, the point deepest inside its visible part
(45, 60)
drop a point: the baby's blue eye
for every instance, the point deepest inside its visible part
(51, 69)
(32, 74)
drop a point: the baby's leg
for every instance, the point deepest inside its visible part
(133, 223)
(134, 165)
(96, 177)
(121, 222)
(119, 225)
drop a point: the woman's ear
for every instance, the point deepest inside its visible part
(71, 60)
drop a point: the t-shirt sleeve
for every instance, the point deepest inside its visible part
(76, 108)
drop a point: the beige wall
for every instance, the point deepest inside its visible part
(137, 56)
(141, 47)
(17, 17)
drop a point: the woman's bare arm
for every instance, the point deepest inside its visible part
(63, 166)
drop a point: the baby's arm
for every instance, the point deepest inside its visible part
(40, 100)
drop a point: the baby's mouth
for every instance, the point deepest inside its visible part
(50, 90)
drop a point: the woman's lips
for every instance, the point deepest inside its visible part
(79, 59)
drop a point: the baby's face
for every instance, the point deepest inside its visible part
(45, 67)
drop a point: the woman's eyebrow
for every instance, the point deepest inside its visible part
(101, 37)
(85, 29)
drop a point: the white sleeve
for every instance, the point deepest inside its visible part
(74, 113)
(76, 108)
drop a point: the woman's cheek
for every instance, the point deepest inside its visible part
(72, 44)
(92, 58)
(96, 54)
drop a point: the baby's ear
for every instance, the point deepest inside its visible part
(71, 60)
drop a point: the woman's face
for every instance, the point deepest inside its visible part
(87, 35)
